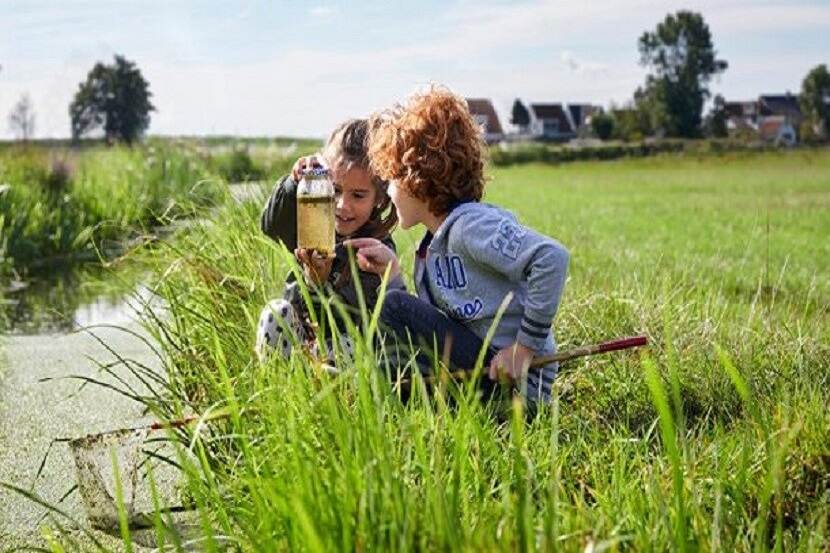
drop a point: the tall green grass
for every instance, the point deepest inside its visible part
(252, 160)
(716, 439)
(63, 204)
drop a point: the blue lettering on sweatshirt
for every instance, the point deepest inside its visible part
(449, 272)
(468, 310)
(508, 239)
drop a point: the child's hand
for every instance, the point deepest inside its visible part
(512, 362)
(373, 256)
(316, 267)
(301, 165)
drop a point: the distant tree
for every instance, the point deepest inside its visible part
(815, 100)
(631, 122)
(647, 115)
(715, 123)
(682, 60)
(22, 118)
(602, 125)
(115, 98)
(519, 114)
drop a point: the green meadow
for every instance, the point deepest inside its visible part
(716, 437)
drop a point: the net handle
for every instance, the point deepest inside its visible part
(185, 421)
(617, 344)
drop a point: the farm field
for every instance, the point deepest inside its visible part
(714, 438)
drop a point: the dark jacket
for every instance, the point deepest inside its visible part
(279, 222)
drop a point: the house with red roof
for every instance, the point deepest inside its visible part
(778, 130)
(741, 115)
(485, 115)
(774, 117)
(781, 105)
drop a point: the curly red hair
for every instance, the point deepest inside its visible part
(432, 146)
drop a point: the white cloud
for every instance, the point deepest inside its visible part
(580, 66)
(321, 11)
(754, 17)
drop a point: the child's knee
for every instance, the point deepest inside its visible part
(276, 320)
(348, 345)
(393, 304)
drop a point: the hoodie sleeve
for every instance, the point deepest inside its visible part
(396, 283)
(495, 240)
(279, 216)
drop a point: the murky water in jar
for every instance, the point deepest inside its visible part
(315, 223)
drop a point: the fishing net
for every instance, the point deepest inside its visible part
(97, 458)
(119, 459)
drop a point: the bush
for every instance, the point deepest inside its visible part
(602, 125)
(808, 135)
(534, 152)
(238, 166)
(542, 153)
(58, 180)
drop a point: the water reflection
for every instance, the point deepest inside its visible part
(67, 298)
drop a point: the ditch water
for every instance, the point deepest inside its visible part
(44, 339)
(65, 300)
(41, 338)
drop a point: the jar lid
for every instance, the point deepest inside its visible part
(316, 172)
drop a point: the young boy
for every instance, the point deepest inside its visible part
(473, 254)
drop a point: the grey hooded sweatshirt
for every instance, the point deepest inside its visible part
(478, 255)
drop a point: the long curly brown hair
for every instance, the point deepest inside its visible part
(432, 146)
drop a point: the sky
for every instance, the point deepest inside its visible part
(284, 68)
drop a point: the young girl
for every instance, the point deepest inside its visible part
(472, 255)
(362, 209)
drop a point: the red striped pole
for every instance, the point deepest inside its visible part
(560, 356)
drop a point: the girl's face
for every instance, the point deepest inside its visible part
(411, 210)
(355, 196)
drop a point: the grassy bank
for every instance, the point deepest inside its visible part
(60, 205)
(716, 439)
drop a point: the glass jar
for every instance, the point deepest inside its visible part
(315, 211)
